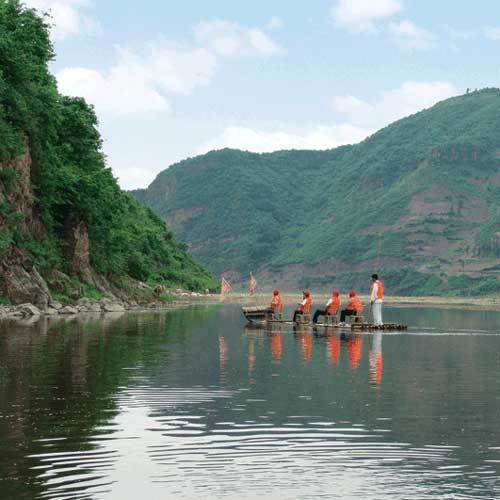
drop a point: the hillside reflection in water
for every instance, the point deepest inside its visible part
(194, 404)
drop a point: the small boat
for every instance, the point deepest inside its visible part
(259, 315)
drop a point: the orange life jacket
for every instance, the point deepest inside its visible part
(355, 305)
(305, 307)
(277, 303)
(354, 351)
(380, 290)
(334, 306)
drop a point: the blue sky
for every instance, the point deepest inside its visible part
(171, 80)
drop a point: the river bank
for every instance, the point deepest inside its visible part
(105, 305)
(183, 298)
(485, 302)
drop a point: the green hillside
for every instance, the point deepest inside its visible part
(60, 206)
(418, 201)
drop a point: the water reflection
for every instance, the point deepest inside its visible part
(223, 357)
(354, 344)
(303, 338)
(275, 338)
(190, 404)
(376, 360)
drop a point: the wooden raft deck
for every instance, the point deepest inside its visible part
(262, 316)
(352, 326)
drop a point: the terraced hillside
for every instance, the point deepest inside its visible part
(418, 201)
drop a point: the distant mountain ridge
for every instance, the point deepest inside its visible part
(418, 201)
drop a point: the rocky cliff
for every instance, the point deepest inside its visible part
(20, 280)
(66, 228)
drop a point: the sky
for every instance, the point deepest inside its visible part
(171, 80)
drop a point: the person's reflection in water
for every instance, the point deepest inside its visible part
(223, 355)
(354, 350)
(251, 358)
(276, 342)
(304, 339)
(376, 360)
(333, 348)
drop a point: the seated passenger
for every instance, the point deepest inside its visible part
(354, 307)
(304, 306)
(332, 306)
(277, 304)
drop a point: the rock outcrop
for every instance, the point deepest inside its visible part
(29, 310)
(77, 249)
(17, 193)
(68, 310)
(111, 306)
(20, 281)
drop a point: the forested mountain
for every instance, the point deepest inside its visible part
(63, 217)
(419, 201)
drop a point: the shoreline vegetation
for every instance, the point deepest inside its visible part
(67, 230)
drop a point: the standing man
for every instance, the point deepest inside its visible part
(376, 299)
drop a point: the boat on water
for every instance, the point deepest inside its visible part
(263, 316)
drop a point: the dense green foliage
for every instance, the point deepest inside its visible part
(418, 201)
(69, 175)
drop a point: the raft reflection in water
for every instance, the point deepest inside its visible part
(311, 343)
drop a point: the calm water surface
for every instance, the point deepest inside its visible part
(192, 404)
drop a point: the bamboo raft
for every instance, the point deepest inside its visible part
(262, 316)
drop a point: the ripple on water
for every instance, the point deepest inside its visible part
(314, 432)
(301, 458)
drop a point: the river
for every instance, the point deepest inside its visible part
(191, 403)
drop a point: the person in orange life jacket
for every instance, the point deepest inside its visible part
(377, 298)
(354, 307)
(276, 304)
(304, 306)
(332, 306)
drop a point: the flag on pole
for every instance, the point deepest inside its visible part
(225, 288)
(252, 286)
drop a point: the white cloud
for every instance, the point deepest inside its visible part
(275, 23)
(231, 39)
(358, 120)
(144, 81)
(392, 105)
(130, 177)
(263, 141)
(66, 16)
(362, 15)
(409, 36)
(457, 36)
(492, 33)
(139, 83)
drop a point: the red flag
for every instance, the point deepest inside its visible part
(252, 286)
(225, 288)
